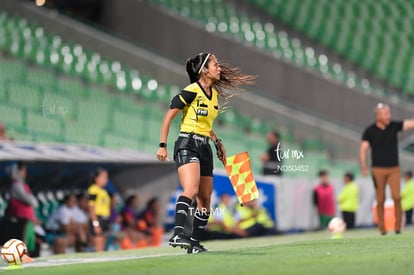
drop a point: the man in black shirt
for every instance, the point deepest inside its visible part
(270, 159)
(381, 137)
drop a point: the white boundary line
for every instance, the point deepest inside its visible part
(109, 258)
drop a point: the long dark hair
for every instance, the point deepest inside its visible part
(96, 174)
(129, 200)
(151, 202)
(231, 78)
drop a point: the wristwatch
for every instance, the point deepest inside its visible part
(163, 145)
(95, 223)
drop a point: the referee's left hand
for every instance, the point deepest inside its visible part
(162, 154)
(221, 154)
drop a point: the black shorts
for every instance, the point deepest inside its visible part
(192, 148)
(103, 223)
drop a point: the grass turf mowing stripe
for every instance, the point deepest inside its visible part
(361, 252)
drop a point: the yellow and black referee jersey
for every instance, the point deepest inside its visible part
(199, 109)
(99, 198)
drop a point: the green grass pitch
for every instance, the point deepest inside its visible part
(359, 252)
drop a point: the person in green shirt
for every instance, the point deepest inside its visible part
(349, 200)
(407, 197)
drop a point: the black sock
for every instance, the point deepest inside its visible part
(181, 212)
(200, 222)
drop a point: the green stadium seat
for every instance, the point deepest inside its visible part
(42, 209)
(11, 114)
(72, 87)
(45, 125)
(346, 166)
(83, 134)
(319, 19)
(53, 202)
(128, 123)
(350, 28)
(313, 145)
(60, 105)
(114, 106)
(11, 68)
(128, 103)
(23, 95)
(259, 126)
(153, 126)
(41, 78)
(120, 141)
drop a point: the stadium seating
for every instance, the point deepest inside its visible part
(53, 90)
(223, 17)
(351, 27)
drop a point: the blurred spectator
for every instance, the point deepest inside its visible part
(21, 207)
(254, 221)
(111, 188)
(115, 223)
(407, 197)
(133, 238)
(149, 222)
(64, 222)
(115, 213)
(222, 225)
(81, 210)
(324, 199)
(270, 159)
(349, 200)
(129, 212)
(99, 208)
(265, 219)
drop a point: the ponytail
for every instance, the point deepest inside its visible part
(231, 78)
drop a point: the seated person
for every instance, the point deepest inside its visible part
(64, 229)
(148, 222)
(81, 218)
(81, 209)
(264, 218)
(132, 238)
(222, 224)
(129, 212)
(254, 221)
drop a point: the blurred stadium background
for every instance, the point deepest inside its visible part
(86, 83)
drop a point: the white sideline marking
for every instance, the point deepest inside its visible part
(59, 262)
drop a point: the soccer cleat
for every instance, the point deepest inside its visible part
(179, 240)
(196, 248)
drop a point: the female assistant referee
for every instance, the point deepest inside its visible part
(199, 103)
